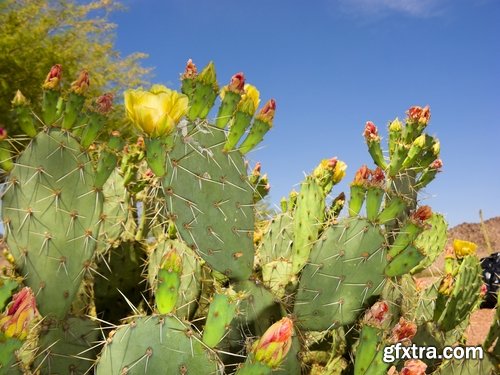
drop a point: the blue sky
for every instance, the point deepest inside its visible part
(332, 65)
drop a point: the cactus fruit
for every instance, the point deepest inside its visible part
(189, 287)
(275, 252)
(51, 212)
(156, 345)
(220, 314)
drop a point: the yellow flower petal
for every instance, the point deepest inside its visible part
(463, 248)
(156, 112)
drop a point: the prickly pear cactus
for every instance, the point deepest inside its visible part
(51, 211)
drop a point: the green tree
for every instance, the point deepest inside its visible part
(36, 34)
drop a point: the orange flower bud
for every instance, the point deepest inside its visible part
(272, 348)
(81, 85)
(362, 175)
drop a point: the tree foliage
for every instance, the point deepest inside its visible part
(36, 34)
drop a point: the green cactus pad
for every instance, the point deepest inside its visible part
(156, 345)
(453, 309)
(431, 241)
(275, 253)
(345, 269)
(116, 216)
(51, 213)
(308, 218)
(210, 200)
(190, 281)
(7, 287)
(67, 347)
(220, 315)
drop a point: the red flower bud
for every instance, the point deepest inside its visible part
(377, 314)
(3, 134)
(422, 214)
(437, 164)
(413, 367)
(404, 330)
(274, 345)
(378, 176)
(190, 71)
(237, 83)
(21, 312)
(419, 114)
(104, 103)
(371, 132)
(53, 78)
(266, 114)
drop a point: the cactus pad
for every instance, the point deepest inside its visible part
(210, 200)
(51, 213)
(156, 345)
(345, 269)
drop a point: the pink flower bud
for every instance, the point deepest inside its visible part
(403, 331)
(419, 114)
(378, 176)
(266, 114)
(437, 164)
(104, 103)
(256, 169)
(413, 367)
(237, 83)
(272, 348)
(3, 134)
(484, 290)
(20, 313)
(53, 78)
(190, 71)
(371, 132)
(377, 314)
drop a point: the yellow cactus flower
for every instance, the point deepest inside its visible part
(249, 100)
(463, 248)
(339, 172)
(156, 112)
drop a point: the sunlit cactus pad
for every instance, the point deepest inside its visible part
(345, 269)
(210, 200)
